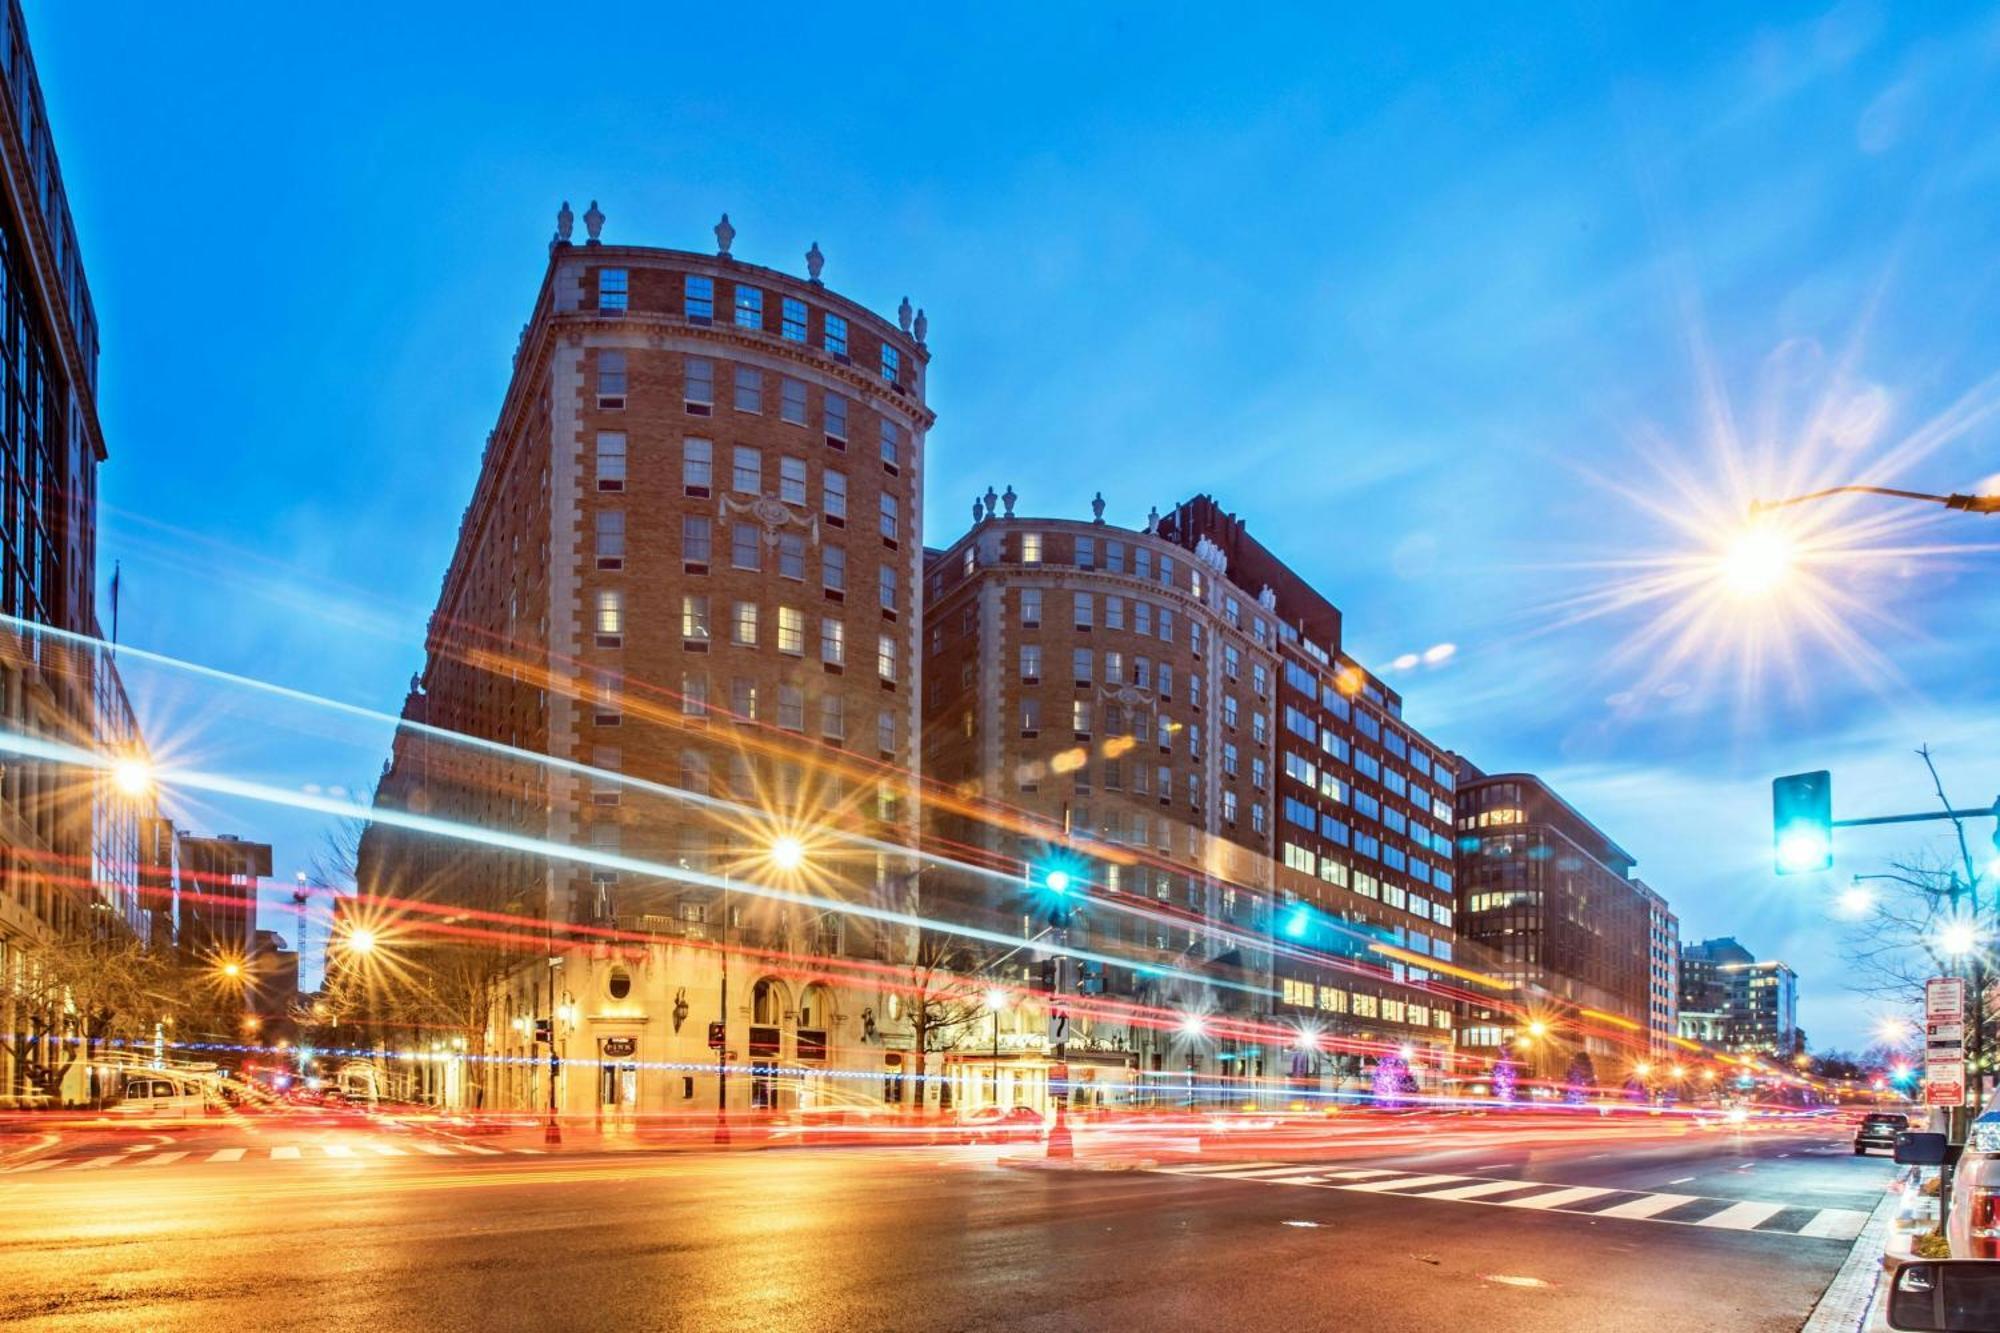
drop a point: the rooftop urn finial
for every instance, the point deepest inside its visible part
(1153, 519)
(1097, 507)
(1007, 497)
(593, 223)
(992, 502)
(725, 235)
(565, 223)
(921, 326)
(903, 313)
(815, 261)
(978, 509)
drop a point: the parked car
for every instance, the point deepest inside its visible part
(1015, 1124)
(158, 1095)
(1879, 1129)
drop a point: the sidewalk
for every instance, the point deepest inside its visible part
(1856, 1300)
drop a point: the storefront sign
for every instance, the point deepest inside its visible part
(715, 1036)
(617, 1048)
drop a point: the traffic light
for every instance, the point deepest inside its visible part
(1047, 982)
(1802, 822)
(1057, 886)
(545, 1031)
(1296, 921)
(1089, 978)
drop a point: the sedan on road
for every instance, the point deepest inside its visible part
(1879, 1130)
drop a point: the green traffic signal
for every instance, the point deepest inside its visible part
(1802, 822)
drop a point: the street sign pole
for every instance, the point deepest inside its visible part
(1060, 1143)
(1944, 1068)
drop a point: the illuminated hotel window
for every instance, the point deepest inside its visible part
(749, 307)
(1031, 548)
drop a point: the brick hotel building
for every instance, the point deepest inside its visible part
(1170, 711)
(693, 557)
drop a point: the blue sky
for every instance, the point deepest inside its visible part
(1434, 303)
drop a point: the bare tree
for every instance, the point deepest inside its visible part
(945, 997)
(78, 993)
(1894, 949)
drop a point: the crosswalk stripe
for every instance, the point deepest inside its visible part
(1557, 1198)
(226, 1155)
(487, 1152)
(99, 1163)
(533, 1152)
(160, 1159)
(1475, 1191)
(1742, 1216)
(432, 1148)
(284, 1154)
(387, 1150)
(1646, 1207)
(336, 1150)
(1214, 1168)
(32, 1166)
(1835, 1224)
(1267, 1173)
(1406, 1183)
(1360, 1175)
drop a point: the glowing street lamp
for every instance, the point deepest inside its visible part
(787, 853)
(132, 776)
(1958, 939)
(1758, 561)
(361, 940)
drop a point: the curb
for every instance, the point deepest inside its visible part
(1076, 1164)
(1845, 1306)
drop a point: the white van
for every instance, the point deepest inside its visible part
(159, 1093)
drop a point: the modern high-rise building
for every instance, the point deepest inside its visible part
(1167, 714)
(690, 575)
(1730, 999)
(59, 828)
(1552, 901)
(1663, 952)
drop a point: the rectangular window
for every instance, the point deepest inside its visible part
(1114, 557)
(1079, 717)
(749, 307)
(743, 699)
(835, 336)
(1080, 666)
(885, 588)
(833, 568)
(749, 389)
(612, 289)
(697, 466)
(791, 708)
(836, 420)
(892, 363)
(698, 299)
(694, 618)
(892, 444)
(791, 631)
(610, 538)
(745, 546)
(695, 539)
(1031, 716)
(890, 523)
(794, 326)
(743, 624)
(792, 555)
(747, 474)
(833, 717)
(610, 616)
(699, 394)
(1031, 548)
(792, 481)
(792, 400)
(1086, 610)
(1114, 613)
(885, 734)
(610, 379)
(885, 657)
(1031, 664)
(1031, 608)
(832, 642)
(610, 460)
(833, 496)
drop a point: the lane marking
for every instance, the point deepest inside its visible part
(1742, 1216)
(336, 1150)
(1359, 1175)
(534, 1152)
(433, 1149)
(1646, 1207)
(33, 1166)
(387, 1150)
(1557, 1199)
(1210, 1168)
(1266, 1173)
(1682, 1181)
(99, 1163)
(285, 1154)
(160, 1159)
(488, 1152)
(227, 1155)
(1835, 1224)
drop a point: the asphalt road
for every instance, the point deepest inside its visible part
(358, 1229)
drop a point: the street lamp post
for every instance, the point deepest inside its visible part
(1971, 504)
(722, 1050)
(995, 1000)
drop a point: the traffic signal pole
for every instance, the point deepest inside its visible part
(1060, 1143)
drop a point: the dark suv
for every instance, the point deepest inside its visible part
(1879, 1130)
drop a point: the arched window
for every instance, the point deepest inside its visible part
(767, 1003)
(815, 1007)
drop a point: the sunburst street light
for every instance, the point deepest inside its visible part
(1971, 504)
(787, 852)
(132, 776)
(1758, 561)
(361, 940)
